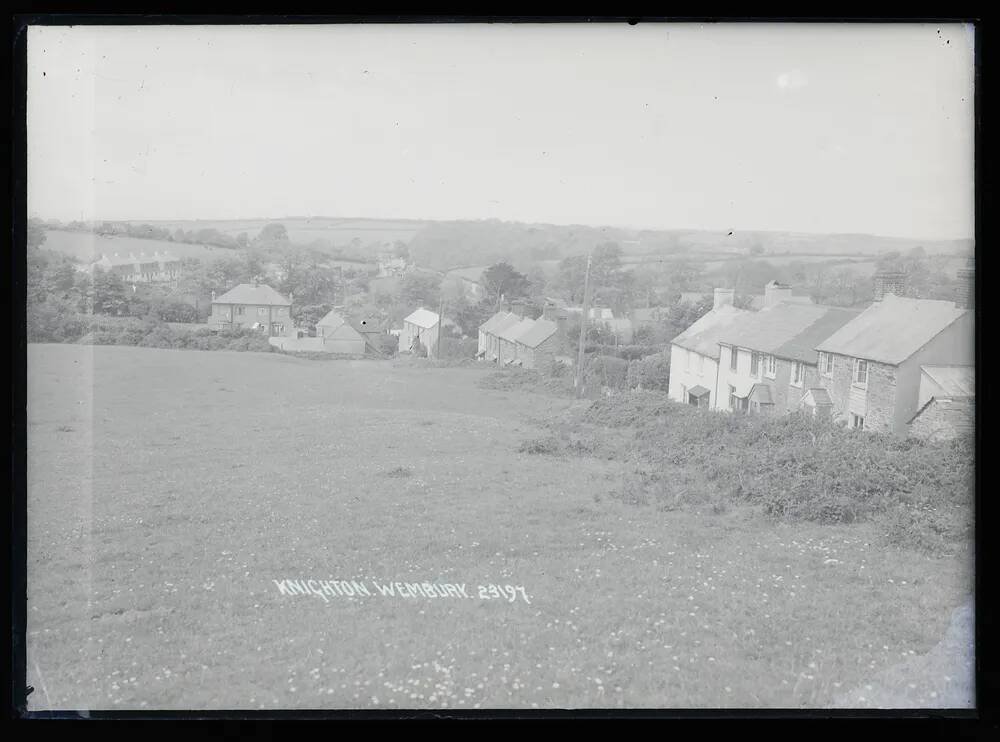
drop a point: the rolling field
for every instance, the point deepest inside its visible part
(169, 490)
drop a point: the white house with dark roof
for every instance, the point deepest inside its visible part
(253, 306)
(694, 354)
(489, 331)
(872, 366)
(424, 326)
(768, 361)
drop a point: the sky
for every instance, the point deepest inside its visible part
(864, 128)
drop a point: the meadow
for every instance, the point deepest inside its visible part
(169, 490)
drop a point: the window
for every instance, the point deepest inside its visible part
(754, 364)
(826, 363)
(241, 310)
(684, 391)
(797, 374)
(769, 366)
(281, 311)
(732, 397)
(278, 327)
(857, 422)
(861, 372)
(261, 311)
(733, 358)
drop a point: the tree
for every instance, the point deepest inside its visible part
(609, 282)
(420, 289)
(273, 233)
(500, 279)
(242, 240)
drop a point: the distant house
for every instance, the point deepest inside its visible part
(253, 306)
(694, 354)
(423, 325)
(775, 292)
(946, 402)
(540, 345)
(339, 336)
(489, 331)
(141, 267)
(768, 361)
(872, 366)
(390, 265)
(508, 342)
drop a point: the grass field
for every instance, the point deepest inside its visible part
(169, 489)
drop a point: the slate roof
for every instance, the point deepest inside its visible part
(787, 330)
(247, 293)
(540, 331)
(954, 381)
(702, 337)
(892, 330)
(424, 318)
(498, 321)
(513, 333)
(819, 395)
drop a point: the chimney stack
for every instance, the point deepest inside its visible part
(213, 294)
(775, 293)
(888, 282)
(965, 296)
(517, 307)
(723, 298)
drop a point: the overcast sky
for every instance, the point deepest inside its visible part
(812, 128)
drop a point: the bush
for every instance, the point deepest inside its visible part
(651, 372)
(794, 467)
(456, 348)
(628, 352)
(606, 371)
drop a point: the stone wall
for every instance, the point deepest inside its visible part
(945, 418)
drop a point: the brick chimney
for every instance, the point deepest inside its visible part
(775, 293)
(213, 294)
(888, 282)
(965, 296)
(723, 298)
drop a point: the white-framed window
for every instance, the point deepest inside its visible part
(281, 311)
(261, 311)
(770, 365)
(732, 397)
(858, 422)
(684, 392)
(798, 371)
(241, 310)
(826, 363)
(860, 372)
(278, 327)
(734, 358)
(755, 364)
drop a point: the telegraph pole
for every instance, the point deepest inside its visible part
(583, 331)
(437, 350)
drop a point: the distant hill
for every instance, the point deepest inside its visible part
(449, 245)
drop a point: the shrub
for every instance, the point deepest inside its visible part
(650, 372)
(606, 371)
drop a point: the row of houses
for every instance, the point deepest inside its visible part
(140, 267)
(510, 338)
(901, 365)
